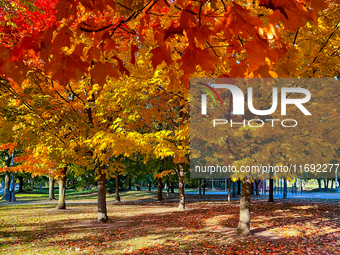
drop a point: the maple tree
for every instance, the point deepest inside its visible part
(19, 19)
(316, 55)
(89, 82)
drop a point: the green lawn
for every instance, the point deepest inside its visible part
(88, 195)
(72, 195)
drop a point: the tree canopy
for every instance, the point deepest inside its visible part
(90, 82)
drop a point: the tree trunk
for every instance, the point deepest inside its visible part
(319, 184)
(130, 184)
(159, 190)
(285, 190)
(271, 190)
(7, 181)
(239, 187)
(13, 199)
(200, 188)
(180, 172)
(7, 178)
(137, 186)
(150, 184)
(117, 189)
(168, 187)
(102, 211)
(51, 189)
(234, 189)
(172, 190)
(62, 190)
(244, 223)
(229, 188)
(264, 186)
(257, 182)
(21, 184)
(252, 189)
(6, 187)
(204, 181)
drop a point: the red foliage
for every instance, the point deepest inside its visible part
(18, 21)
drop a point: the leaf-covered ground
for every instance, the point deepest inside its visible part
(285, 227)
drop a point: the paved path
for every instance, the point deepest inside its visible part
(289, 195)
(311, 195)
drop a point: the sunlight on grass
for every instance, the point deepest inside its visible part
(159, 228)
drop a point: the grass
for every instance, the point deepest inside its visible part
(296, 227)
(84, 196)
(73, 195)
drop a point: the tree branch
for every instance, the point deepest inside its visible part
(296, 34)
(324, 45)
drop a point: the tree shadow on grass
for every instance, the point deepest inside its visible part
(214, 223)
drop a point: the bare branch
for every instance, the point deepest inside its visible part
(297, 31)
(329, 37)
(199, 15)
(94, 30)
(212, 49)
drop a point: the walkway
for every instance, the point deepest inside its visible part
(318, 195)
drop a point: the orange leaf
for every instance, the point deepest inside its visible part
(160, 54)
(134, 49)
(101, 70)
(66, 8)
(65, 68)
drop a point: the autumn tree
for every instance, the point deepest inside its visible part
(18, 20)
(7, 146)
(94, 58)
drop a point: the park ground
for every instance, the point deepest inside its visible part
(143, 226)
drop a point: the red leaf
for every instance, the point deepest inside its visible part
(121, 66)
(100, 72)
(15, 70)
(172, 30)
(194, 56)
(66, 8)
(187, 19)
(94, 53)
(62, 39)
(160, 54)
(134, 49)
(65, 68)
